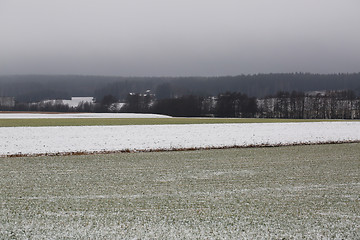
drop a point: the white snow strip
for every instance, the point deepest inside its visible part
(79, 115)
(49, 140)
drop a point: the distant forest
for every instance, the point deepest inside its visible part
(33, 88)
(295, 95)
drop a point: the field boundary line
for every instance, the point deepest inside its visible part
(77, 153)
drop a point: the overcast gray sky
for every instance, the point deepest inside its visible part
(178, 37)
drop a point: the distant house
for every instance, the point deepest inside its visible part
(316, 93)
(7, 102)
(74, 102)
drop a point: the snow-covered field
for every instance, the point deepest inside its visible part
(51, 140)
(78, 115)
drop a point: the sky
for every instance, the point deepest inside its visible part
(178, 37)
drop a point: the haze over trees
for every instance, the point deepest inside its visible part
(293, 95)
(32, 88)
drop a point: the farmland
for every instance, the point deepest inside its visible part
(43, 122)
(26, 141)
(284, 192)
(291, 192)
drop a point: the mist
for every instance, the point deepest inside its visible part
(178, 38)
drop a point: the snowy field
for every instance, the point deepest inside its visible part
(51, 140)
(78, 115)
(297, 192)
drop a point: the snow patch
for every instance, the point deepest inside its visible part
(78, 115)
(51, 140)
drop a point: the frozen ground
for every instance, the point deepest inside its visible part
(50, 140)
(298, 192)
(79, 115)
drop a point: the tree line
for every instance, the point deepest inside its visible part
(318, 105)
(293, 105)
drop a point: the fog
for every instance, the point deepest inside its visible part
(178, 37)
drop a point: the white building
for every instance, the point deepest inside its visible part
(7, 101)
(74, 102)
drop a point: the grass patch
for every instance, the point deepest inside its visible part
(137, 121)
(298, 192)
